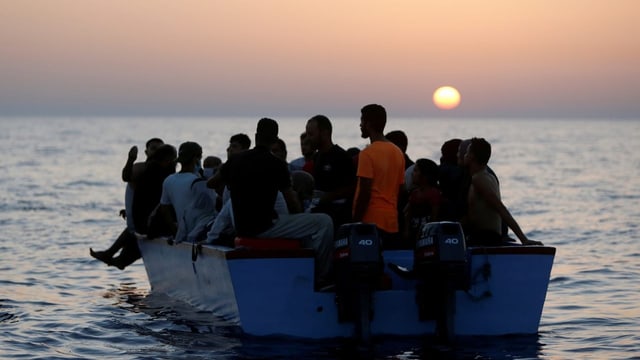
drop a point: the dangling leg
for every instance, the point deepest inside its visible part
(107, 255)
(130, 253)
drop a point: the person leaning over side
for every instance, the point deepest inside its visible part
(486, 212)
(380, 177)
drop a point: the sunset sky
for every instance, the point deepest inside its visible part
(529, 58)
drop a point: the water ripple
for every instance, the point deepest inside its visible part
(56, 302)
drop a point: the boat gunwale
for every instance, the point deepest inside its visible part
(253, 253)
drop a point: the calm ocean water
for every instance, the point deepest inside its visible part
(573, 184)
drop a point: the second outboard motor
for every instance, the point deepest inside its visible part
(358, 267)
(440, 265)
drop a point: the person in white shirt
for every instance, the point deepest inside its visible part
(180, 191)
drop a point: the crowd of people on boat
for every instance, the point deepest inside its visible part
(256, 193)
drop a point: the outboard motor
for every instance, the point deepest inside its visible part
(358, 267)
(440, 265)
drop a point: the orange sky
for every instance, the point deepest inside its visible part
(188, 57)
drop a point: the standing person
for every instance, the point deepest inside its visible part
(254, 178)
(380, 178)
(334, 173)
(486, 212)
(399, 139)
(131, 171)
(450, 178)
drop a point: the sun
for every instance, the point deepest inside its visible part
(446, 97)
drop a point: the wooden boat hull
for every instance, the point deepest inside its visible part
(270, 292)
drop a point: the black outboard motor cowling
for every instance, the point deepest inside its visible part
(440, 264)
(358, 267)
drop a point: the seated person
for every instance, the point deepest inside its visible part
(254, 178)
(486, 212)
(145, 200)
(303, 184)
(334, 173)
(177, 188)
(130, 173)
(424, 201)
(305, 162)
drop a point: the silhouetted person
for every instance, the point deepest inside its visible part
(486, 212)
(334, 173)
(254, 178)
(380, 178)
(131, 171)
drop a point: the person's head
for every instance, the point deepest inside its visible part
(152, 145)
(449, 151)
(266, 132)
(319, 130)
(306, 148)
(211, 162)
(189, 155)
(353, 151)
(399, 139)
(237, 144)
(209, 166)
(479, 151)
(279, 149)
(425, 172)
(462, 151)
(372, 120)
(165, 155)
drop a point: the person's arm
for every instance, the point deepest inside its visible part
(362, 198)
(127, 170)
(291, 198)
(483, 189)
(343, 192)
(215, 182)
(406, 212)
(164, 211)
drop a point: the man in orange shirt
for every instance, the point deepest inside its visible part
(380, 178)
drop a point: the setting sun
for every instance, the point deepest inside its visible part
(446, 98)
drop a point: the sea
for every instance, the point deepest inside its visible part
(573, 184)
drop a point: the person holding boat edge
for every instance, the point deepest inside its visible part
(486, 212)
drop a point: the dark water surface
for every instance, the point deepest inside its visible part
(571, 184)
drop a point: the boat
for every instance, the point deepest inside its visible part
(266, 286)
